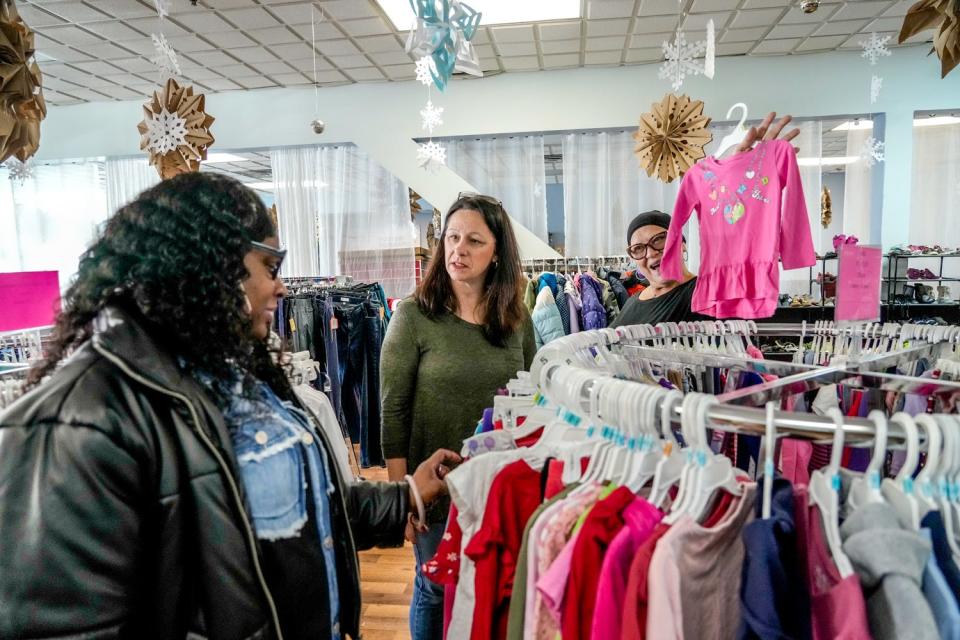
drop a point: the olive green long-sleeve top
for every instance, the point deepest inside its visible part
(436, 377)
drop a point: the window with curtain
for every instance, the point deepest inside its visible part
(935, 194)
(126, 178)
(510, 169)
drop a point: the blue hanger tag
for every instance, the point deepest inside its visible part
(835, 482)
(701, 459)
(908, 486)
(591, 430)
(768, 470)
(927, 489)
(874, 479)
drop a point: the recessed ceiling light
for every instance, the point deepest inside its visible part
(220, 158)
(494, 11)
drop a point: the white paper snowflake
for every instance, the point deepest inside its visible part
(431, 155)
(425, 68)
(874, 47)
(537, 189)
(876, 84)
(166, 58)
(166, 131)
(19, 171)
(163, 8)
(431, 116)
(872, 151)
(682, 60)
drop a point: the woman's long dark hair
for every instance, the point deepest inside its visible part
(174, 257)
(501, 305)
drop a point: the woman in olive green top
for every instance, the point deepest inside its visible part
(461, 337)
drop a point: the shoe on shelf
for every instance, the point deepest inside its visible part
(923, 293)
(943, 295)
(914, 274)
(784, 300)
(826, 277)
(929, 275)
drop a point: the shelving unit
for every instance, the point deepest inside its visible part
(892, 280)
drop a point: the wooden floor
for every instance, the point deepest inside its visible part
(387, 585)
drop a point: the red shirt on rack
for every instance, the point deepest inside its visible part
(514, 496)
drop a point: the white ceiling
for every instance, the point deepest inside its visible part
(101, 49)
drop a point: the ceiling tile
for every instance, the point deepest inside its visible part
(608, 27)
(49, 82)
(647, 41)
(399, 72)
(105, 51)
(482, 36)
(561, 61)
(200, 74)
(658, 7)
(900, 8)
(255, 82)
(489, 65)
(365, 27)
(35, 17)
(234, 70)
(100, 84)
(698, 22)
(781, 47)
(734, 48)
(841, 27)
(349, 62)
(603, 57)
(204, 23)
(272, 68)
(743, 35)
(250, 18)
(861, 9)
(230, 4)
(886, 24)
(253, 54)
(365, 74)
(598, 9)
(296, 51)
(818, 43)
(273, 35)
(188, 44)
(75, 11)
(706, 6)
(116, 31)
(392, 58)
(605, 44)
(486, 50)
(347, 9)
(522, 33)
(298, 13)
(291, 79)
(338, 48)
(64, 54)
(135, 65)
(756, 18)
(125, 94)
(522, 63)
(796, 14)
(71, 35)
(152, 25)
(307, 66)
(143, 47)
(560, 46)
(96, 66)
(518, 49)
(214, 59)
(330, 76)
(124, 8)
(560, 31)
(89, 94)
(761, 4)
(644, 55)
(791, 31)
(229, 39)
(220, 84)
(379, 44)
(656, 24)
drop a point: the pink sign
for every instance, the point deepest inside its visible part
(28, 299)
(858, 284)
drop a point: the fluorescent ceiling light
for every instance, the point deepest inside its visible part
(854, 125)
(935, 121)
(220, 158)
(494, 11)
(825, 162)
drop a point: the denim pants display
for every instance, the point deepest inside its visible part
(426, 607)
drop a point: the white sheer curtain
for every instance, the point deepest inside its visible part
(126, 179)
(510, 169)
(50, 219)
(341, 213)
(603, 189)
(295, 171)
(810, 143)
(857, 188)
(935, 195)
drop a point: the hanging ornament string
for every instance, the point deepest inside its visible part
(165, 57)
(317, 123)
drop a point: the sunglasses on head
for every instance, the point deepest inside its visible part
(280, 254)
(479, 196)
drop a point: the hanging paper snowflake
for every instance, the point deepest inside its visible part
(19, 171)
(872, 151)
(425, 70)
(874, 47)
(681, 60)
(431, 154)
(876, 84)
(162, 7)
(165, 132)
(166, 58)
(537, 190)
(431, 116)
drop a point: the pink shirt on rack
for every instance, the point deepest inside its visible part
(752, 215)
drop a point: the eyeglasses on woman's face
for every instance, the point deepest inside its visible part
(279, 254)
(640, 250)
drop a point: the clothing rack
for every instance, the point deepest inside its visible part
(575, 262)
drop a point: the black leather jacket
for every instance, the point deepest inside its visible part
(122, 513)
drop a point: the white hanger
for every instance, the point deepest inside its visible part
(739, 132)
(899, 491)
(825, 495)
(948, 467)
(769, 448)
(926, 487)
(718, 474)
(648, 460)
(866, 489)
(687, 475)
(670, 466)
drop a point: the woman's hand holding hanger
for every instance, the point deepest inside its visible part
(769, 130)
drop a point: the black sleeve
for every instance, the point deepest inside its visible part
(377, 513)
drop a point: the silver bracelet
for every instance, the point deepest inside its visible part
(420, 522)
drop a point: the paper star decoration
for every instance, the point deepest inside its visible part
(942, 15)
(874, 47)
(431, 116)
(431, 155)
(682, 60)
(161, 123)
(425, 71)
(671, 137)
(876, 84)
(22, 106)
(165, 58)
(872, 151)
